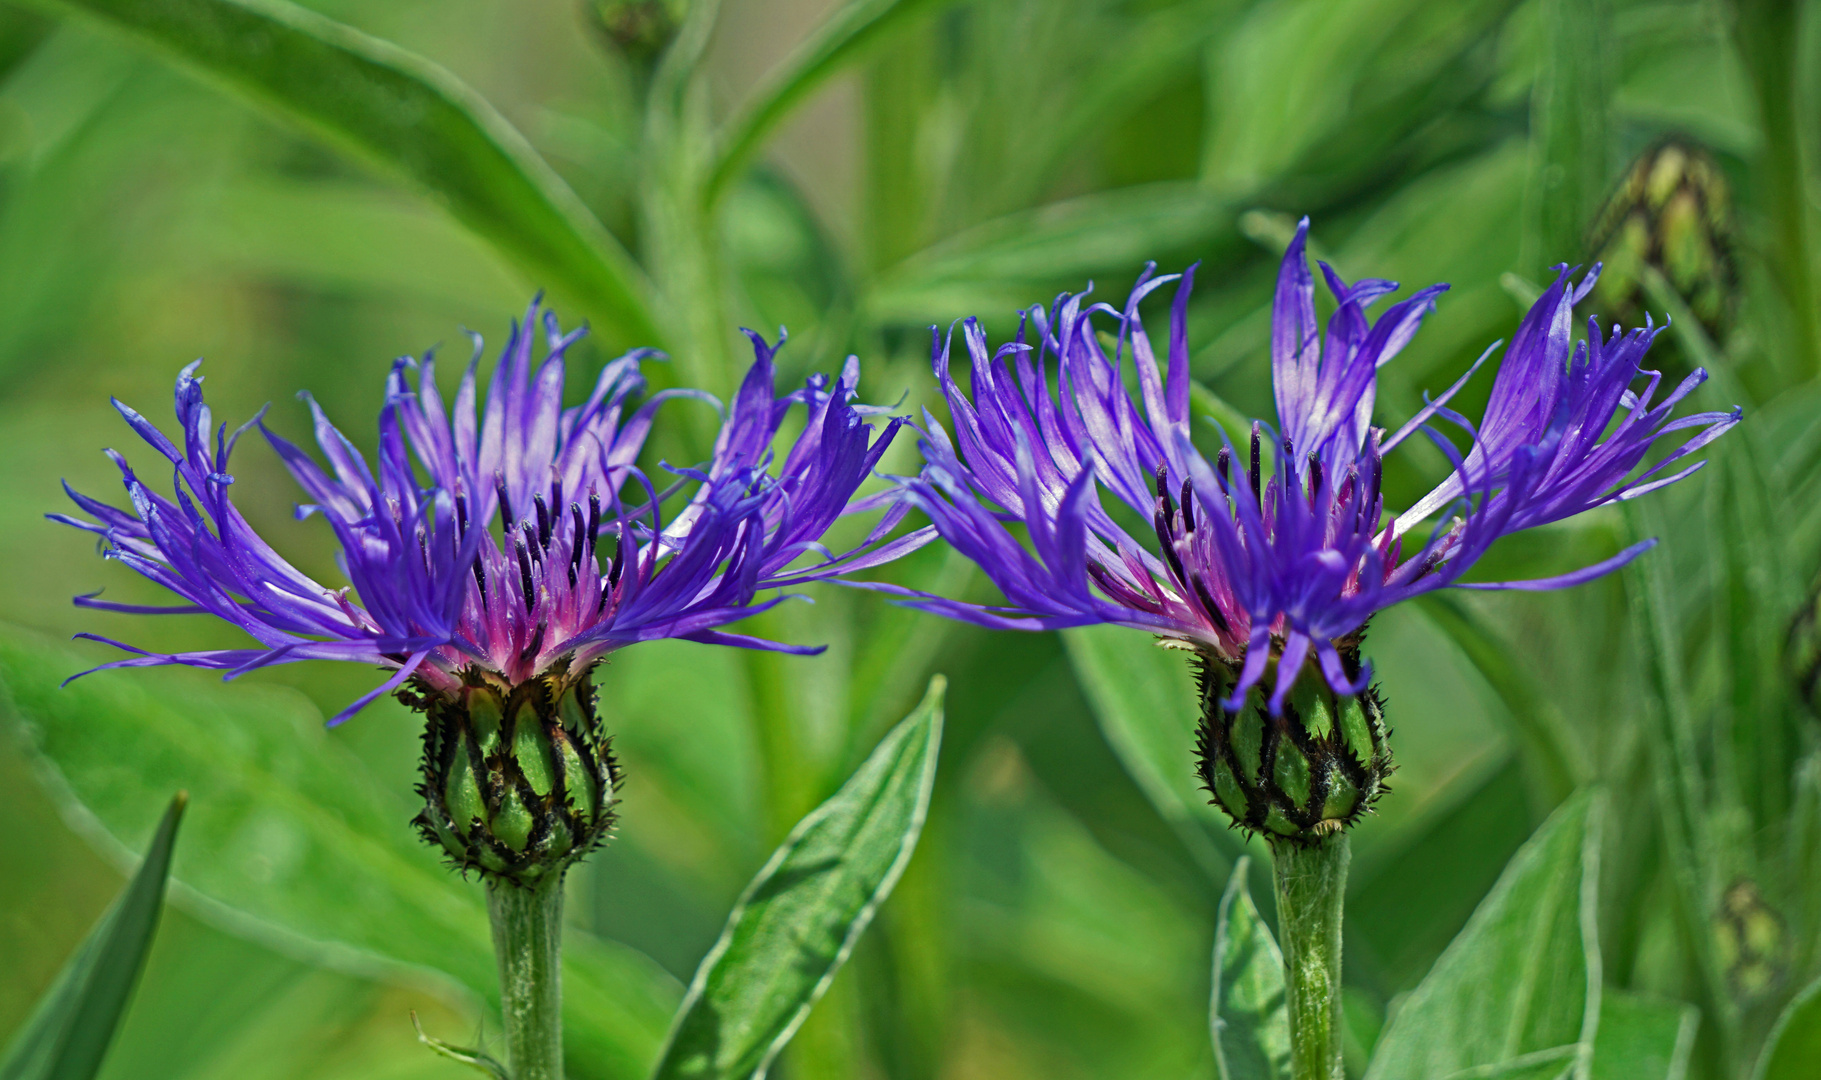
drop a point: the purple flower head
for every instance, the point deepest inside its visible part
(1276, 562)
(519, 539)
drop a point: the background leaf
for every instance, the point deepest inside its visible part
(410, 118)
(1250, 1014)
(1145, 700)
(292, 840)
(799, 919)
(1407, 899)
(1011, 262)
(69, 1034)
(1517, 984)
(833, 44)
(1643, 1038)
(1795, 1044)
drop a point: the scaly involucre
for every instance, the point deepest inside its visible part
(1290, 567)
(582, 561)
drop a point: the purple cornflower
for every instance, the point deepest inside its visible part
(1249, 568)
(581, 563)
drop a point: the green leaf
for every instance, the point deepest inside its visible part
(1236, 424)
(1642, 1038)
(1538, 723)
(293, 840)
(1250, 1016)
(409, 118)
(841, 38)
(1570, 114)
(1519, 988)
(1003, 259)
(69, 1032)
(1555, 1063)
(798, 920)
(1795, 1043)
(1144, 698)
(344, 237)
(1294, 83)
(1407, 896)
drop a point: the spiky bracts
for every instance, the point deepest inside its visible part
(518, 781)
(1302, 774)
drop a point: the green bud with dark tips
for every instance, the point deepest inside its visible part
(1751, 941)
(1300, 776)
(518, 781)
(638, 30)
(1669, 217)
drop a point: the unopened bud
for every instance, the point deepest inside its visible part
(1671, 215)
(1301, 776)
(518, 781)
(1751, 941)
(638, 29)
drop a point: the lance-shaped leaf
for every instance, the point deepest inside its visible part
(1000, 262)
(1795, 1043)
(1250, 1016)
(841, 37)
(798, 920)
(68, 1034)
(1643, 1038)
(293, 840)
(1518, 992)
(409, 118)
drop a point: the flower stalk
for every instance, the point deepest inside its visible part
(1311, 885)
(527, 940)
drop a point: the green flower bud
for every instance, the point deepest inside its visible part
(518, 781)
(1301, 776)
(1670, 215)
(1750, 940)
(637, 29)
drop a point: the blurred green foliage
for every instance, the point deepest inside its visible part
(307, 201)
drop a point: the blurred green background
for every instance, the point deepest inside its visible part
(857, 173)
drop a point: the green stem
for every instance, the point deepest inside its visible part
(527, 939)
(1311, 892)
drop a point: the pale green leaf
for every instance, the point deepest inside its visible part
(1408, 895)
(292, 840)
(1570, 109)
(1795, 1043)
(1523, 977)
(999, 261)
(1555, 1063)
(68, 1034)
(1642, 1038)
(410, 118)
(798, 920)
(840, 39)
(1250, 1015)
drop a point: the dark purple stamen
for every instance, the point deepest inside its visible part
(1255, 475)
(524, 576)
(543, 522)
(499, 487)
